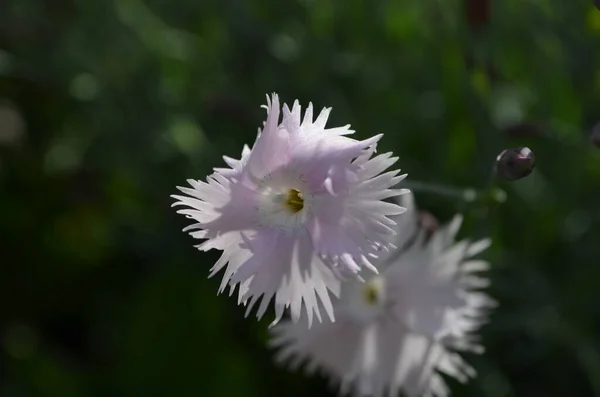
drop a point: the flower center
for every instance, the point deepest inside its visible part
(371, 294)
(294, 201)
(366, 301)
(284, 201)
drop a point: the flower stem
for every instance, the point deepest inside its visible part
(468, 195)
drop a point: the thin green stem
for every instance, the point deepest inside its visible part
(467, 195)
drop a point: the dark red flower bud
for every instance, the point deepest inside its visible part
(478, 13)
(514, 164)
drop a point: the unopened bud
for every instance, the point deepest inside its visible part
(595, 135)
(513, 164)
(478, 13)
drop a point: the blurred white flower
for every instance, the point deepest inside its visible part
(397, 330)
(300, 209)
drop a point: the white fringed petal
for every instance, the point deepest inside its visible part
(302, 208)
(402, 328)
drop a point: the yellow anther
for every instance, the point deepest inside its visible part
(294, 202)
(371, 294)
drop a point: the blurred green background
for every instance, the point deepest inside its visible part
(106, 106)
